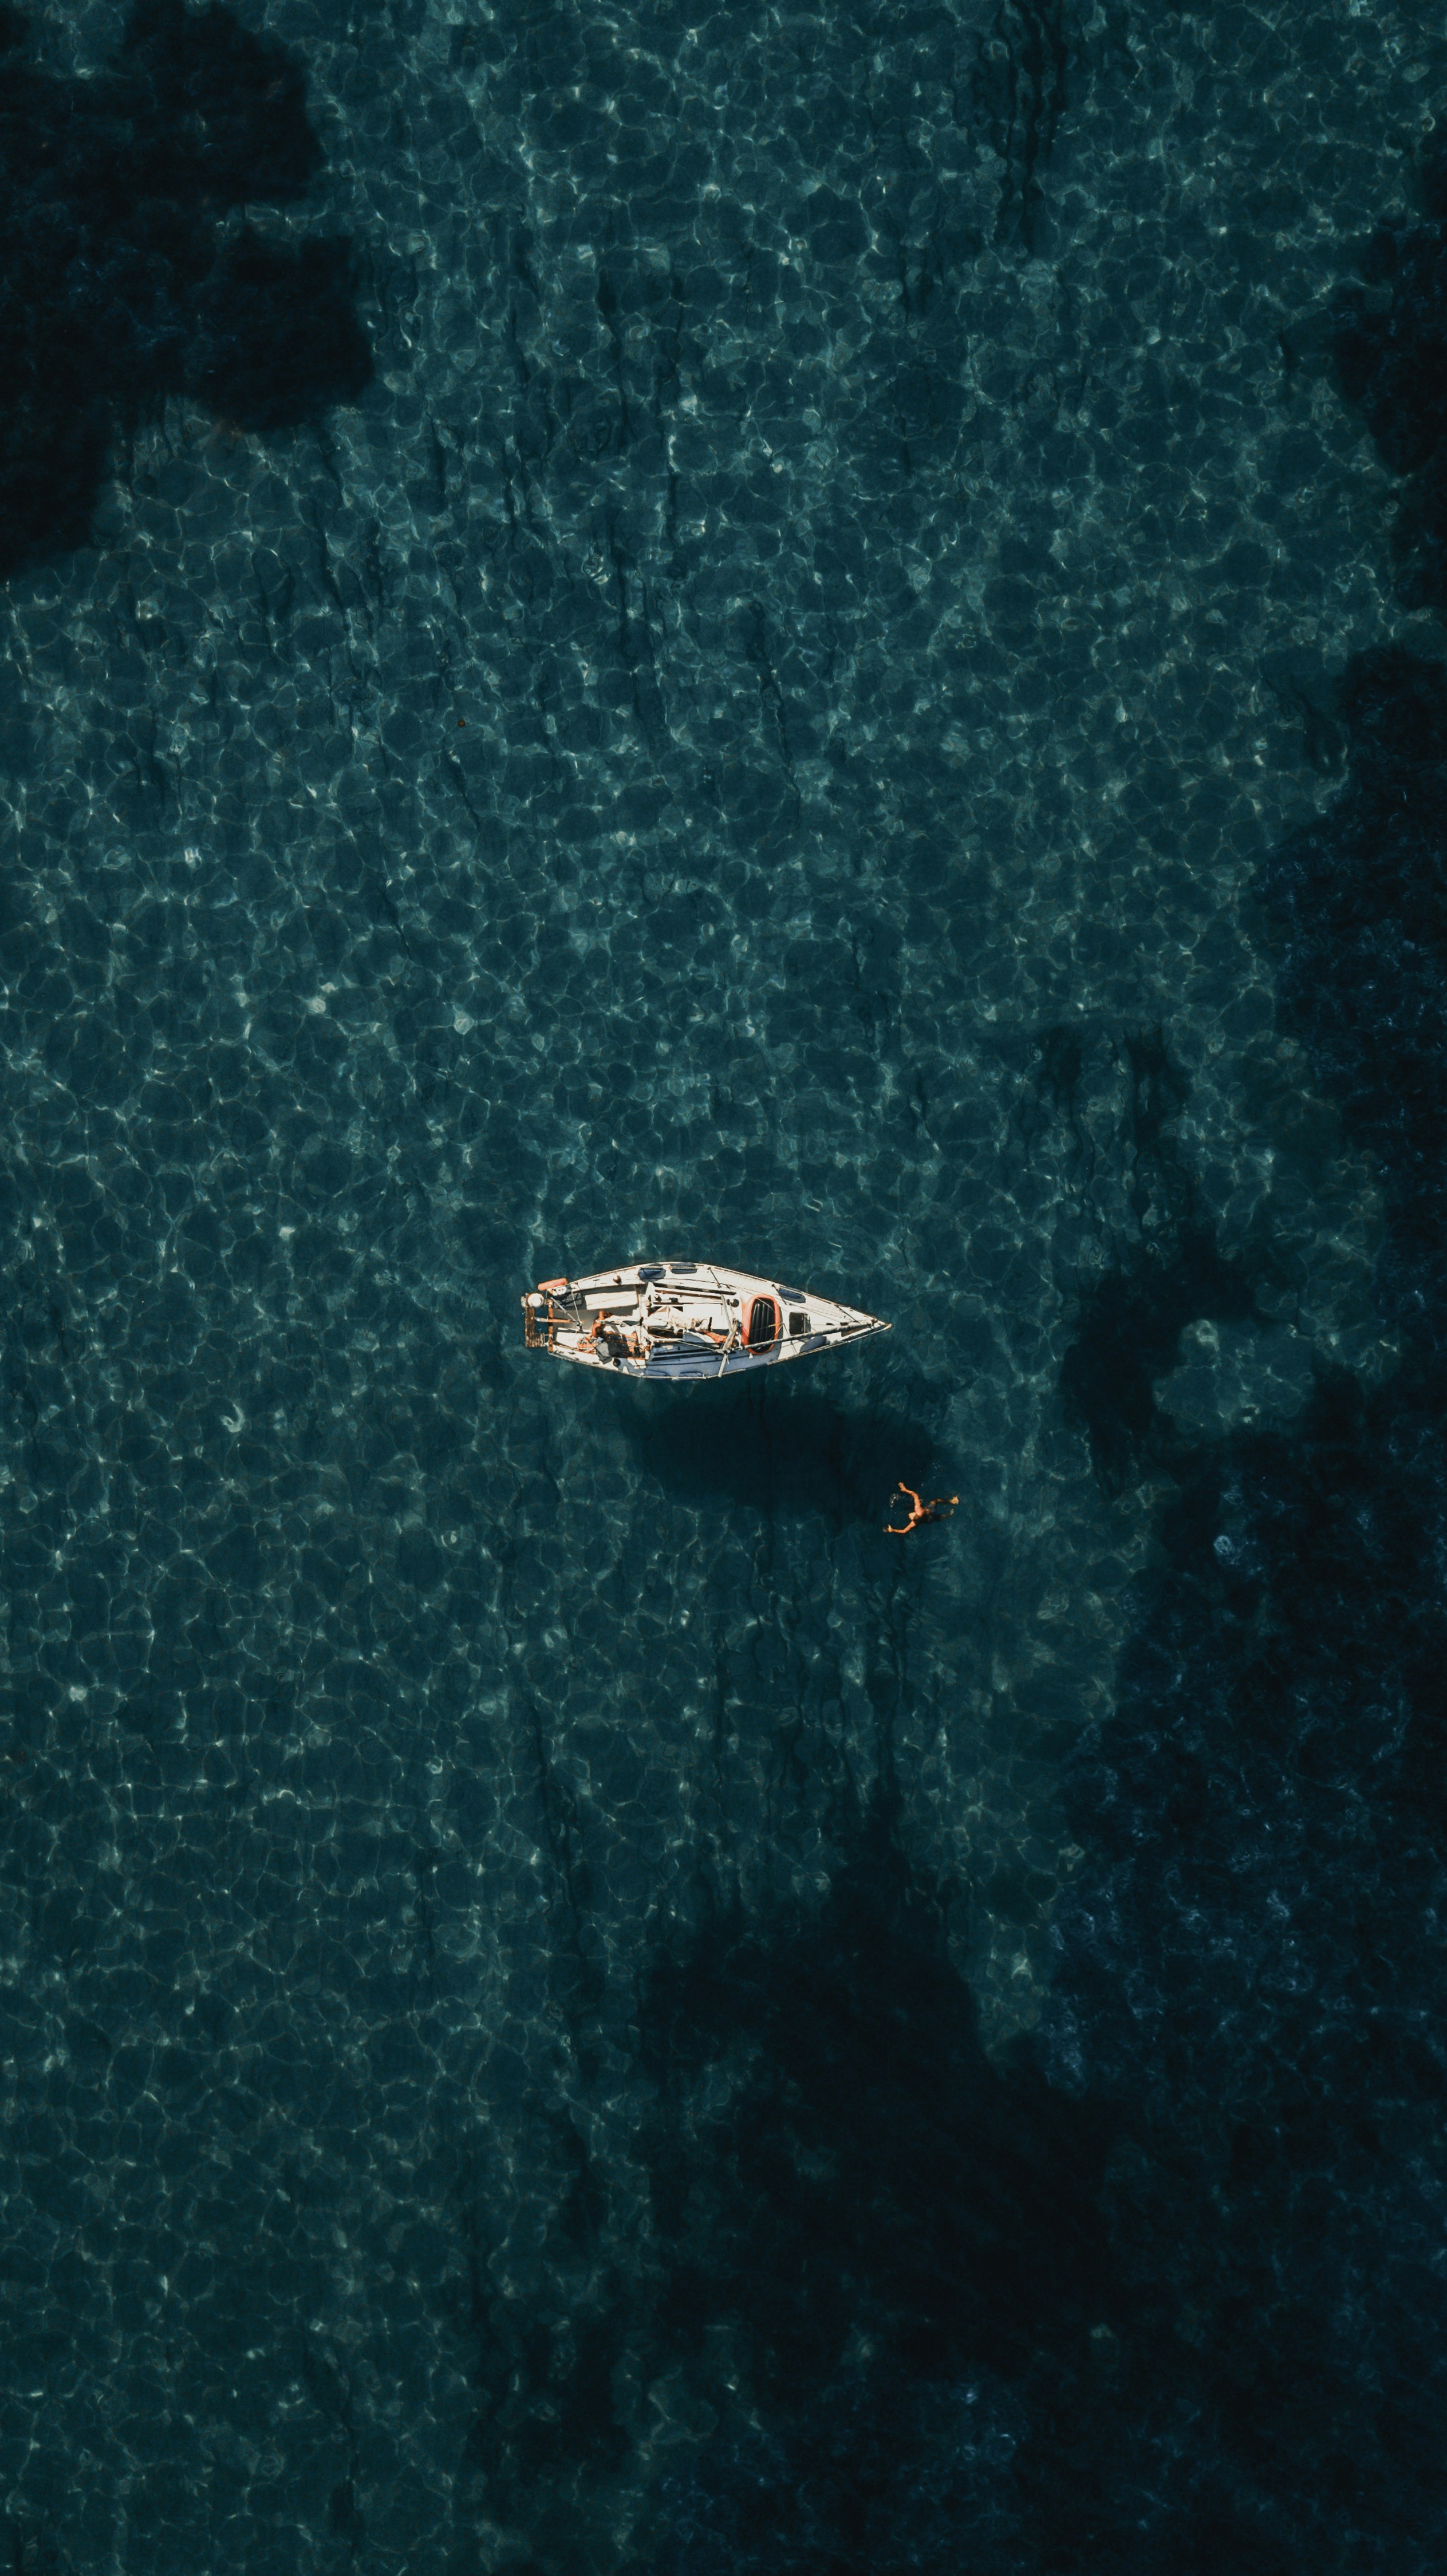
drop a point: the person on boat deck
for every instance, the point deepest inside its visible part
(934, 1510)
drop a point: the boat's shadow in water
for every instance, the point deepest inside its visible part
(777, 1450)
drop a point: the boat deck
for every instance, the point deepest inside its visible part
(686, 1319)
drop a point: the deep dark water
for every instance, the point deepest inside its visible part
(568, 2005)
(1364, 903)
(887, 2241)
(1390, 347)
(1172, 1274)
(785, 1449)
(129, 278)
(894, 2236)
(1165, 2290)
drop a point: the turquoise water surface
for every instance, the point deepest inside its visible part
(750, 739)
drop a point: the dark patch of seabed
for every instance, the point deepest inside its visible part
(131, 272)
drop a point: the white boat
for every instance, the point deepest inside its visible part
(686, 1319)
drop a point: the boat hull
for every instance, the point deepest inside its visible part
(669, 1322)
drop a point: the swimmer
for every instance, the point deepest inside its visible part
(919, 1512)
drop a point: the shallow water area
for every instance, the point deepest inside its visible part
(750, 740)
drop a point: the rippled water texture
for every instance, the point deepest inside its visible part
(754, 735)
